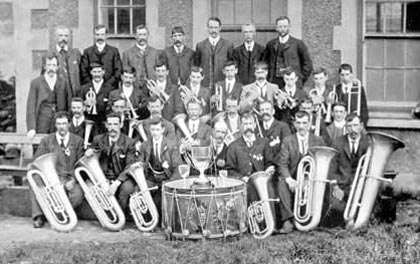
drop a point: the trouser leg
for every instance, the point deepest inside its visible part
(124, 191)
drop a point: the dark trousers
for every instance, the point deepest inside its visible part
(126, 188)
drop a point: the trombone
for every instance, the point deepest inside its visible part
(356, 89)
(332, 98)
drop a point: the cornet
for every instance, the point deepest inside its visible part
(130, 107)
(188, 94)
(137, 125)
(91, 102)
(157, 91)
(320, 109)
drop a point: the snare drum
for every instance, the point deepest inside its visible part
(217, 211)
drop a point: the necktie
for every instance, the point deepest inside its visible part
(353, 147)
(302, 143)
(62, 144)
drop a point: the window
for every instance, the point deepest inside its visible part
(122, 16)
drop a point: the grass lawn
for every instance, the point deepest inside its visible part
(378, 244)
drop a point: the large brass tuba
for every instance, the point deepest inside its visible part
(312, 176)
(368, 179)
(142, 206)
(260, 217)
(50, 193)
(94, 184)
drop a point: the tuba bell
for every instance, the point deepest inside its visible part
(312, 176)
(50, 193)
(368, 179)
(260, 217)
(94, 184)
(142, 206)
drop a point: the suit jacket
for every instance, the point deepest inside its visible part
(344, 97)
(246, 63)
(275, 134)
(235, 92)
(122, 156)
(251, 92)
(203, 54)
(243, 161)
(287, 115)
(39, 93)
(219, 161)
(144, 64)
(80, 130)
(66, 158)
(102, 97)
(109, 57)
(204, 95)
(295, 54)
(179, 65)
(138, 99)
(332, 133)
(290, 155)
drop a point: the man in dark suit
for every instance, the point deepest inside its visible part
(104, 54)
(220, 147)
(211, 53)
(178, 57)
(116, 153)
(68, 149)
(78, 121)
(48, 93)
(337, 128)
(142, 57)
(318, 126)
(247, 55)
(232, 118)
(347, 81)
(287, 53)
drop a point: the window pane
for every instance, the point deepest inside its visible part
(226, 11)
(375, 84)
(108, 19)
(373, 18)
(393, 17)
(243, 12)
(123, 2)
(123, 20)
(413, 17)
(412, 80)
(108, 2)
(394, 90)
(139, 16)
(261, 11)
(139, 2)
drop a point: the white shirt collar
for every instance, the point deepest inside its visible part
(213, 41)
(127, 90)
(288, 90)
(251, 138)
(66, 48)
(284, 39)
(346, 87)
(50, 80)
(196, 123)
(179, 49)
(161, 84)
(100, 46)
(78, 120)
(356, 141)
(321, 90)
(66, 138)
(159, 141)
(268, 123)
(97, 85)
(261, 84)
(230, 82)
(142, 47)
(249, 46)
(304, 138)
(340, 124)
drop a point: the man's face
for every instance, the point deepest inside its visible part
(113, 126)
(354, 128)
(320, 79)
(283, 27)
(193, 111)
(248, 126)
(62, 37)
(178, 39)
(261, 74)
(118, 106)
(339, 113)
(214, 28)
(77, 109)
(302, 125)
(230, 72)
(142, 36)
(249, 33)
(196, 78)
(290, 79)
(307, 107)
(51, 66)
(155, 108)
(156, 130)
(100, 35)
(97, 74)
(62, 126)
(161, 73)
(219, 133)
(231, 106)
(128, 79)
(345, 76)
(266, 111)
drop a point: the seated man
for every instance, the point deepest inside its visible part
(338, 127)
(232, 118)
(220, 147)
(116, 153)
(69, 149)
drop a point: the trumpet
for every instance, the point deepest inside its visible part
(157, 91)
(88, 129)
(91, 102)
(219, 96)
(284, 100)
(356, 89)
(332, 98)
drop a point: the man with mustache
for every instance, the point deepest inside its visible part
(232, 118)
(287, 53)
(116, 153)
(78, 121)
(220, 147)
(48, 94)
(104, 54)
(142, 57)
(178, 57)
(68, 148)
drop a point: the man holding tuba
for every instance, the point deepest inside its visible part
(68, 148)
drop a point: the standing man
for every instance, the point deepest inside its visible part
(48, 93)
(211, 53)
(141, 57)
(104, 54)
(247, 55)
(68, 59)
(178, 57)
(337, 128)
(287, 53)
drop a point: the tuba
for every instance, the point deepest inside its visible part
(94, 184)
(260, 217)
(50, 193)
(312, 176)
(88, 129)
(91, 102)
(368, 179)
(142, 206)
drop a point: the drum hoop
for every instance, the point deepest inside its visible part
(203, 195)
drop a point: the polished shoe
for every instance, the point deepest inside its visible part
(287, 228)
(39, 222)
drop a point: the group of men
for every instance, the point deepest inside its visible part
(249, 103)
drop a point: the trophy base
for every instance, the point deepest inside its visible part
(202, 183)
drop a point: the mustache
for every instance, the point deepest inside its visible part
(265, 115)
(177, 41)
(249, 130)
(51, 71)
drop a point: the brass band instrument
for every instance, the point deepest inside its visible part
(368, 179)
(260, 217)
(142, 206)
(257, 114)
(94, 185)
(312, 176)
(50, 194)
(157, 91)
(284, 100)
(137, 125)
(179, 121)
(356, 89)
(188, 94)
(332, 98)
(219, 96)
(319, 110)
(88, 129)
(91, 102)
(129, 106)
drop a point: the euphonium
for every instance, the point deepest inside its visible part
(88, 129)
(91, 102)
(94, 185)
(368, 179)
(312, 176)
(142, 206)
(50, 193)
(260, 217)
(356, 89)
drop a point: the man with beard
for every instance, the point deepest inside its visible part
(95, 94)
(48, 93)
(178, 57)
(142, 57)
(338, 127)
(68, 148)
(103, 54)
(211, 53)
(287, 53)
(247, 55)
(78, 121)
(116, 153)
(68, 59)
(220, 147)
